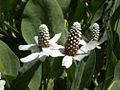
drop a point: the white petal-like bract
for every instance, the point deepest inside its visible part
(55, 38)
(80, 52)
(42, 56)
(55, 46)
(53, 52)
(28, 47)
(89, 46)
(30, 57)
(80, 57)
(82, 42)
(36, 39)
(67, 61)
(2, 83)
(104, 38)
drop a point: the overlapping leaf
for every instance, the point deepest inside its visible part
(9, 62)
(42, 11)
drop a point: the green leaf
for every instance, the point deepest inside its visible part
(6, 5)
(50, 84)
(36, 79)
(115, 6)
(71, 74)
(84, 72)
(79, 72)
(111, 63)
(115, 13)
(95, 5)
(9, 62)
(97, 15)
(46, 70)
(64, 4)
(117, 71)
(42, 12)
(56, 68)
(96, 9)
(115, 85)
(114, 18)
(111, 66)
(78, 12)
(27, 72)
(117, 28)
(116, 43)
(60, 84)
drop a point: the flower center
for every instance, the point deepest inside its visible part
(43, 37)
(72, 43)
(95, 32)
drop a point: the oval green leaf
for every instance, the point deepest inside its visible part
(9, 62)
(42, 12)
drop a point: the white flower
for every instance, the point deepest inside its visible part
(71, 50)
(2, 83)
(94, 44)
(67, 60)
(48, 46)
(82, 52)
(74, 53)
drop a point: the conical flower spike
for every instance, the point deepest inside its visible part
(95, 32)
(43, 37)
(72, 43)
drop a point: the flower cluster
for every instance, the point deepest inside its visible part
(45, 46)
(2, 83)
(95, 32)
